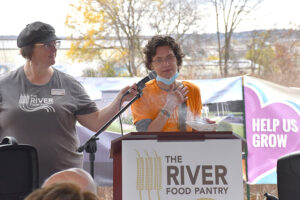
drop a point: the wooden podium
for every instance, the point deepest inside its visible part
(116, 148)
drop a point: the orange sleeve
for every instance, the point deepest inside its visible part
(140, 110)
(148, 105)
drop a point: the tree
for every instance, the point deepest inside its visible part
(119, 25)
(99, 24)
(231, 12)
(286, 57)
(107, 70)
(90, 72)
(266, 61)
(175, 17)
(283, 59)
(257, 48)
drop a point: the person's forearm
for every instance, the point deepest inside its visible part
(159, 122)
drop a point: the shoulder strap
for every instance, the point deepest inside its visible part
(182, 116)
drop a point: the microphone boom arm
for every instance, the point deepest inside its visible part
(90, 146)
(82, 147)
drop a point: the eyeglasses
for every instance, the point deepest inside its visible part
(168, 59)
(50, 45)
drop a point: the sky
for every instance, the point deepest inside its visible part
(16, 14)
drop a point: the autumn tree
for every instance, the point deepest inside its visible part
(264, 58)
(287, 51)
(99, 24)
(258, 48)
(229, 14)
(90, 72)
(287, 57)
(283, 58)
(107, 70)
(120, 26)
(276, 54)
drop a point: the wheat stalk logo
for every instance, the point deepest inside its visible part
(139, 174)
(148, 174)
(157, 174)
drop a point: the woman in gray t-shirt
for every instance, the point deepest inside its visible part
(39, 105)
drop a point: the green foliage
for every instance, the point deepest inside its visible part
(108, 70)
(90, 72)
(238, 129)
(263, 55)
(127, 119)
(115, 127)
(265, 58)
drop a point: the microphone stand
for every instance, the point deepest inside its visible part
(90, 146)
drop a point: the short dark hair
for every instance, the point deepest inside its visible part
(27, 51)
(159, 41)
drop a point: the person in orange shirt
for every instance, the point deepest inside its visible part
(166, 103)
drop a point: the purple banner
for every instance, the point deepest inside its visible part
(272, 127)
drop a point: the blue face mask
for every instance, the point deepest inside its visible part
(167, 81)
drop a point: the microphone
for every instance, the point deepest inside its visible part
(141, 83)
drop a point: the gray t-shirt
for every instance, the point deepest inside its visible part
(44, 116)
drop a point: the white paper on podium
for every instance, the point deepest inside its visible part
(200, 126)
(188, 170)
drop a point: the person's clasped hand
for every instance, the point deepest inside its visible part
(176, 97)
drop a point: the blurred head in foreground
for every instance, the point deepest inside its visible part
(61, 191)
(74, 175)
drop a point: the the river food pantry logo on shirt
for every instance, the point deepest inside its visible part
(32, 103)
(182, 179)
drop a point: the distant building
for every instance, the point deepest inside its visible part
(211, 68)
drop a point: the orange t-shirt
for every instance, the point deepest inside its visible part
(153, 99)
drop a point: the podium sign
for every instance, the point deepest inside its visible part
(176, 170)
